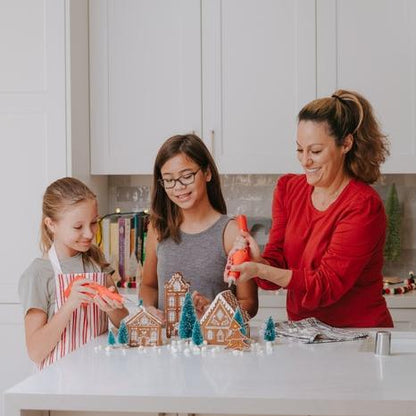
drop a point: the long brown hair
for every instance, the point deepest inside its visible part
(59, 195)
(347, 112)
(165, 216)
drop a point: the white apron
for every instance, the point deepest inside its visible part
(87, 321)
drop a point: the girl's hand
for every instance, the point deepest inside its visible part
(80, 293)
(201, 303)
(107, 304)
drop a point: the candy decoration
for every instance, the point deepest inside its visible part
(409, 285)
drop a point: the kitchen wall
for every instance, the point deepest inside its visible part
(252, 195)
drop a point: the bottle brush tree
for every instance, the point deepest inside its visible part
(239, 318)
(270, 331)
(187, 319)
(392, 247)
(123, 334)
(197, 337)
(111, 338)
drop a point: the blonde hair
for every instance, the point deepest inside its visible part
(61, 194)
(347, 112)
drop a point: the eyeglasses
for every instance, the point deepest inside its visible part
(184, 180)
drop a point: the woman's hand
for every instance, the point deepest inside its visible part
(241, 242)
(201, 303)
(247, 270)
(255, 252)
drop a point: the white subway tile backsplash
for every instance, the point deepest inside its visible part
(252, 195)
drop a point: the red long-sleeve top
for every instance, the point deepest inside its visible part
(336, 255)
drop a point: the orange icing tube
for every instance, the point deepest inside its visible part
(101, 290)
(242, 255)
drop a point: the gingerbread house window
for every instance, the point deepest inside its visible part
(172, 316)
(210, 335)
(144, 320)
(176, 287)
(171, 301)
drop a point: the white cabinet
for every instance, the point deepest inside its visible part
(258, 68)
(145, 80)
(33, 134)
(238, 71)
(402, 308)
(370, 46)
(44, 132)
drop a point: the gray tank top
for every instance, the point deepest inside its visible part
(200, 258)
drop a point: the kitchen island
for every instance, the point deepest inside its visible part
(402, 308)
(343, 378)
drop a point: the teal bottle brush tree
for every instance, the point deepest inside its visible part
(392, 248)
(187, 318)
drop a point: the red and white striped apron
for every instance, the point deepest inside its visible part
(87, 321)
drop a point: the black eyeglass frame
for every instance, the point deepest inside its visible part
(180, 179)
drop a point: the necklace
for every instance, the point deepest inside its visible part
(322, 201)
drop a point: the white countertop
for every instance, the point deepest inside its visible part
(344, 378)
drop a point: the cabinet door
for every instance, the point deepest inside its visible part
(145, 80)
(32, 126)
(370, 46)
(14, 362)
(258, 64)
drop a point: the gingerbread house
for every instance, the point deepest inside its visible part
(144, 329)
(216, 321)
(175, 290)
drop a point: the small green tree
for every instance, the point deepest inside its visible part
(238, 316)
(123, 334)
(111, 338)
(197, 337)
(392, 247)
(187, 319)
(270, 331)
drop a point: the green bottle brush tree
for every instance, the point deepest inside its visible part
(392, 248)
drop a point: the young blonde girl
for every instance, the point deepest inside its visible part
(57, 323)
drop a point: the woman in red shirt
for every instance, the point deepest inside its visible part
(326, 242)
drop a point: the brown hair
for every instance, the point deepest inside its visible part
(347, 112)
(59, 195)
(165, 216)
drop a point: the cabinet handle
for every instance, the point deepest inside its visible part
(213, 143)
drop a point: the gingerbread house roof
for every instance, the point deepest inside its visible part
(138, 316)
(177, 277)
(230, 303)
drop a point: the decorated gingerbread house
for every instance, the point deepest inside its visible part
(216, 321)
(235, 339)
(175, 290)
(144, 329)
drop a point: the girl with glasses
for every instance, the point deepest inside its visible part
(189, 231)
